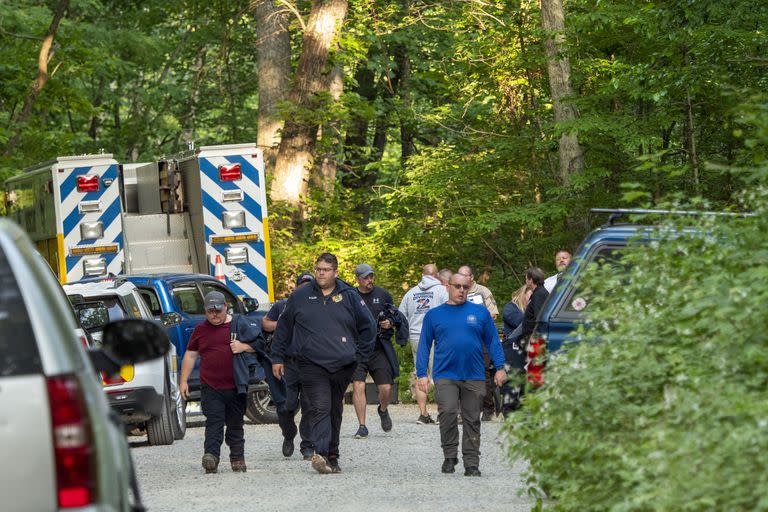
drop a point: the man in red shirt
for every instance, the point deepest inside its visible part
(221, 404)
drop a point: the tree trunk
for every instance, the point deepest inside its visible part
(325, 177)
(559, 68)
(356, 147)
(296, 152)
(44, 57)
(273, 48)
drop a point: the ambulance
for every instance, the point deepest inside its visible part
(90, 216)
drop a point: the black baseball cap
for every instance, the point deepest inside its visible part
(304, 277)
(215, 300)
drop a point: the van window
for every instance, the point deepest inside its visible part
(131, 306)
(18, 347)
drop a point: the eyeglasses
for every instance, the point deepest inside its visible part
(461, 286)
(321, 270)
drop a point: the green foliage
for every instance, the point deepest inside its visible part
(663, 406)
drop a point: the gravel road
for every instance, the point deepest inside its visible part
(395, 471)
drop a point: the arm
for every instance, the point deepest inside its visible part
(425, 346)
(187, 365)
(268, 325)
(512, 315)
(284, 332)
(365, 326)
(495, 352)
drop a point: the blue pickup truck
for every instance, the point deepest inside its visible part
(183, 294)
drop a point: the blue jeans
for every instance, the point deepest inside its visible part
(223, 407)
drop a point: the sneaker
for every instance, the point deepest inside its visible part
(287, 447)
(210, 463)
(307, 453)
(362, 432)
(238, 465)
(425, 420)
(471, 471)
(321, 465)
(334, 463)
(386, 421)
(449, 465)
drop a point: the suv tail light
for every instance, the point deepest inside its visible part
(75, 475)
(88, 183)
(230, 172)
(536, 348)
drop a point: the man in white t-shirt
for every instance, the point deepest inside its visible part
(562, 260)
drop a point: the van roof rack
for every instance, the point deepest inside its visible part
(617, 213)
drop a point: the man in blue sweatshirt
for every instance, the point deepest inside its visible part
(329, 330)
(459, 330)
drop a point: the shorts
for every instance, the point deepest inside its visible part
(414, 348)
(379, 368)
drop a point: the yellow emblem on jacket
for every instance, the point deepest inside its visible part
(337, 298)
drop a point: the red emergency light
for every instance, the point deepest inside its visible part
(230, 172)
(88, 183)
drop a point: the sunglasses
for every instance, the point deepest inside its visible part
(461, 286)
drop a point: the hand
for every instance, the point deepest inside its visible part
(385, 324)
(184, 390)
(278, 370)
(236, 347)
(423, 384)
(500, 377)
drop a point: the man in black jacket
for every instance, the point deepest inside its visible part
(534, 281)
(330, 329)
(383, 364)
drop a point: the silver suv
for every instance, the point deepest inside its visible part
(63, 446)
(145, 395)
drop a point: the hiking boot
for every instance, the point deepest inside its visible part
(449, 465)
(210, 463)
(307, 453)
(238, 465)
(471, 471)
(287, 447)
(386, 421)
(487, 416)
(362, 432)
(334, 463)
(321, 465)
(425, 420)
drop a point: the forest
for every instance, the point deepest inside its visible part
(402, 132)
(480, 132)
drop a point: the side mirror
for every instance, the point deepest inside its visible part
(250, 304)
(92, 315)
(170, 319)
(129, 341)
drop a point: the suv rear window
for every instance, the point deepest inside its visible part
(575, 302)
(18, 347)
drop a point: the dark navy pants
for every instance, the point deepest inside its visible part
(325, 397)
(294, 396)
(223, 407)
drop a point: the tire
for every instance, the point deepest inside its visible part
(179, 416)
(260, 408)
(160, 428)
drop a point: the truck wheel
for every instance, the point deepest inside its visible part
(179, 414)
(260, 408)
(160, 428)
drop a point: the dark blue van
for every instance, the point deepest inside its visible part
(565, 309)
